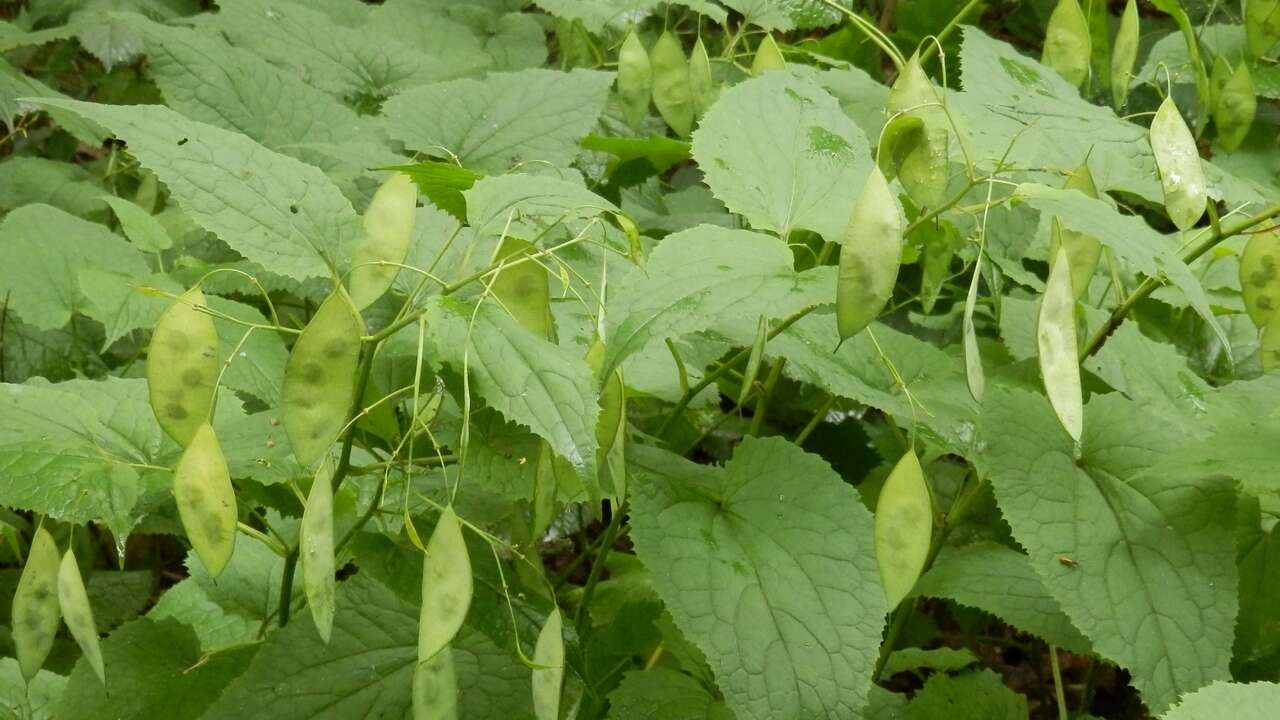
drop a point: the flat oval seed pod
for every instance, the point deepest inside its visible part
(320, 377)
(900, 136)
(1260, 277)
(1234, 108)
(1124, 54)
(446, 586)
(1261, 25)
(524, 288)
(74, 604)
(1056, 340)
(1066, 42)
(1178, 160)
(869, 258)
(35, 605)
(388, 230)
(672, 94)
(206, 500)
(974, 373)
(768, 57)
(182, 366)
(1269, 347)
(635, 80)
(921, 165)
(702, 87)
(611, 425)
(1083, 253)
(904, 528)
(435, 688)
(549, 676)
(1218, 78)
(315, 545)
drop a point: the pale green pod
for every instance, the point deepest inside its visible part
(921, 160)
(635, 80)
(447, 586)
(435, 687)
(320, 377)
(1218, 78)
(1178, 160)
(546, 488)
(701, 83)
(1269, 345)
(548, 676)
(1099, 42)
(1058, 348)
(388, 230)
(768, 57)
(901, 135)
(1066, 43)
(1124, 54)
(1260, 277)
(1083, 253)
(182, 366)
(869, 257)
(753, 360)
(35, 605)
(316, 551)
(611, 425)
(974, 373)
(140, 226)
(206, 500)
(1261, 25)
(524, 288)
(1234, 107)
(904, 528)
(672, 93)
(73, 601)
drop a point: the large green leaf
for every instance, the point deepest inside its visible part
(154, 669)
(704, 276)
(1253, 701)
(662, 694)
(272, 209)
(543, 386)
(42, 252)
(1143, 565)
(366, 670)
(799, 165)
(504, 119)
(974, 696)
(999, 580)
(767, 565)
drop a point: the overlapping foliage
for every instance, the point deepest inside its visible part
(730, 359)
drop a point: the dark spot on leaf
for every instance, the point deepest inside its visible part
(183, 141)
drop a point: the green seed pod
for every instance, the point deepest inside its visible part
(524, 288)
(388, 230)
(1066, 43)
(74, 604)
(1099, 42)
(1178, 160)
(1269, 346)
(611, 425)
(546, 488)
(635, 80)
(35, 605)
(768, 57)
(182, 366)
(672, 93)
(435, 687)
(1218, 78)
(901, 135)
(1234, 107)
(1058, 348)
(548, 677)
(1260, 277)
(974, 373)
(447, 586)
(921, 159)
(206, 500)
(315, 545)
(701, 83)
(1261, 25)
(753, 360)
(320, 377)
(904, 528)
(869, 258)
(1124, 54)
(1083, 251)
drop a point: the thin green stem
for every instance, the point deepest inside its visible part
(275, 546)
(930, 49)
(711, 377)
(818, 416)
(1149, 285)
(872, 32)
(762, 402)
(597, 567)
(1057, 683)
